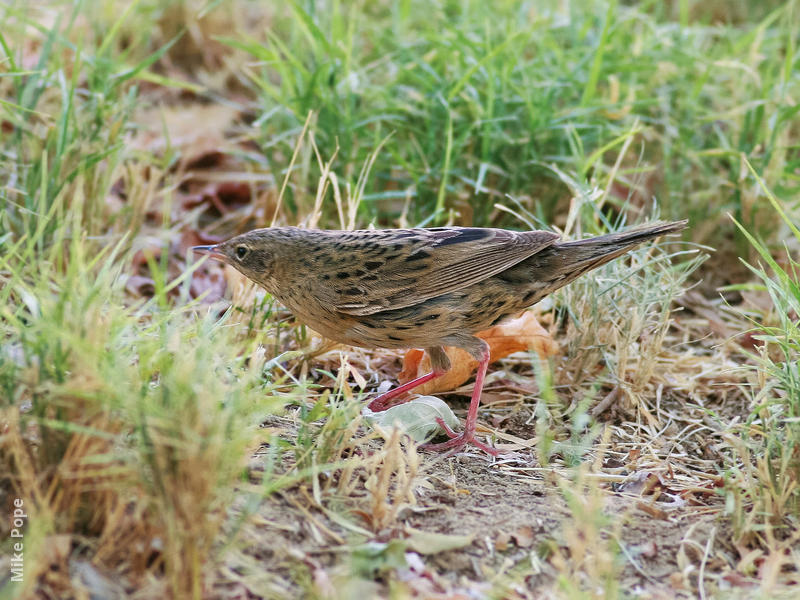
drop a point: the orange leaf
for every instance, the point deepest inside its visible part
(522, 333)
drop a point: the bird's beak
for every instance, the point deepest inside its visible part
(211, 251)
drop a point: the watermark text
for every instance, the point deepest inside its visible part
(18, 519)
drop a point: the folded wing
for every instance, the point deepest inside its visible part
(406, 267)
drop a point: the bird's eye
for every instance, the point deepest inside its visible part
(241, 252)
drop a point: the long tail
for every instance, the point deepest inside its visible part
(618, 243)
(566, 261)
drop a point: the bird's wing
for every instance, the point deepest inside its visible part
(399, 268)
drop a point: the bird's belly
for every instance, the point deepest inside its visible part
(424, 325)
(365, 332)
(322, 319)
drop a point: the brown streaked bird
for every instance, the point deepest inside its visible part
(419, 288)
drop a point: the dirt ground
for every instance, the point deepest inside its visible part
(648, 525)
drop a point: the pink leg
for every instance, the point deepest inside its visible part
(384, 401)
(468, 437)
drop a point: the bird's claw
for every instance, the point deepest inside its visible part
(457, 442)
(448, 432)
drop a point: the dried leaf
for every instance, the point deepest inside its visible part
(207, 159)
(199, 146)
(138, 285)
(208, 281)
(234, 192)
(428, 542)
(523, 536)
(641, 483)
(522, 333)
(653, 511)
(194, 237)
(501, 541)
(647, 549)
(150, 252)
(738, 580)
(218, 198)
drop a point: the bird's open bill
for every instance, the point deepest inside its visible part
(210, 251)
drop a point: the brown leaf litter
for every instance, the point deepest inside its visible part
(516, 335)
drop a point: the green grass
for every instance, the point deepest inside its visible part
(769, 474)
(480, 111)
(120, 419)
(126, 422)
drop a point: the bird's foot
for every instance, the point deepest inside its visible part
(458, 441)
(388, 399)
(381, 403)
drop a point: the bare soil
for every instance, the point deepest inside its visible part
(653, 528)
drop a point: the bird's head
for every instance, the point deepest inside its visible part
(252, 254)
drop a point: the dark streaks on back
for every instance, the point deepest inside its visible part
(468, 234)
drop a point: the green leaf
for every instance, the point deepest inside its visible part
(417, 417)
